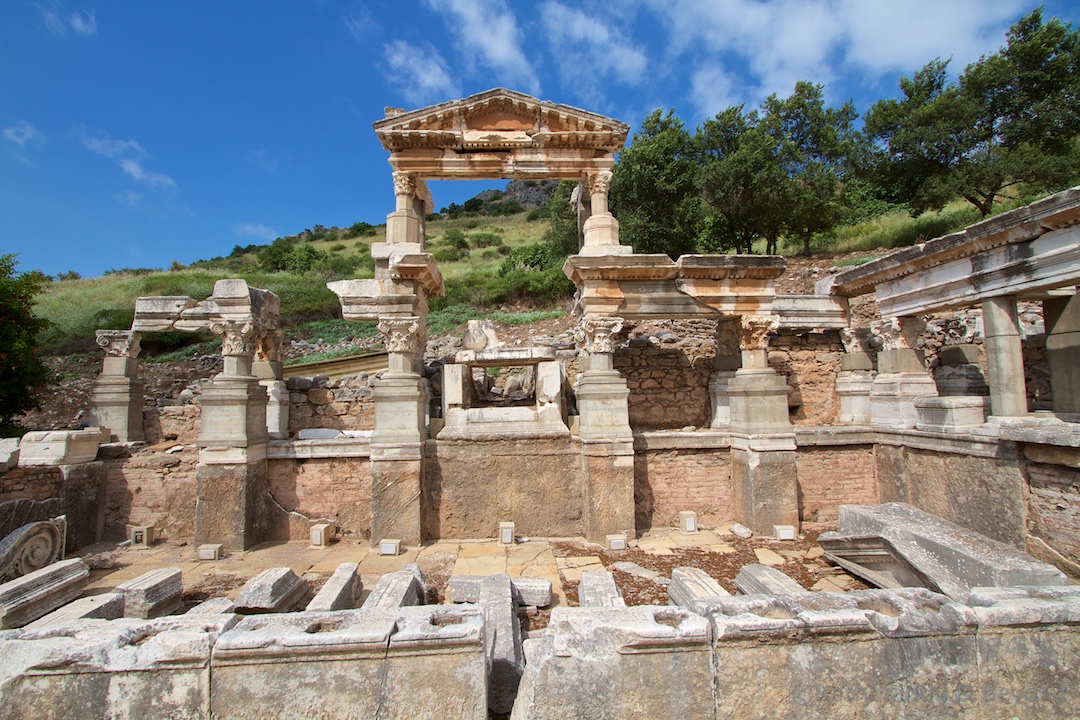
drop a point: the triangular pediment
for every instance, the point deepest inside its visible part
(496, 120)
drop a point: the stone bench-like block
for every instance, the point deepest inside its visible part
(690, 584)
(59, 447)
(124, 668)
(274, 590)
(527, 590)
(950, 414)
(340, 591)
(211, 551)
(503, 640)
(398, 589)
(108, 606)
(598, 589)
(619, 662)
(764, 580)
(37, 594)
(213, 606)
(152, 594)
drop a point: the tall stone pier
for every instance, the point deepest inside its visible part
(116, 401)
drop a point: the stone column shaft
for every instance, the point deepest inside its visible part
(1004, 357)
(116, 401)
(1062, 319)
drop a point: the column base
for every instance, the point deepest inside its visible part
(116, 402)
(892, 398)
(603, 408)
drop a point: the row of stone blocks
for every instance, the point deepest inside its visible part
(899, 653)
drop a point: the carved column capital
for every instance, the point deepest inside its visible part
(598, 182)
(119, 343)
(268, 347)
(855, 340)
(402, 335)
(754, 331)
(238, 337)
(598, 334)
(898, 333)
(404, 183)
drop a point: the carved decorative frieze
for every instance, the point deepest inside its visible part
(898, 333)
(119, 343)
(856, 340)
(598, 334)
(238, 337)
(404, 183)
(402, 335)
(754, 331)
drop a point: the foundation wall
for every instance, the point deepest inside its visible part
(30, 483)
(831, 477)
(667, 481)
(334, 489)
(152, 489)
(341, 404)
(1054, 507)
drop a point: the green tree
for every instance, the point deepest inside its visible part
(562, 232)
(1011, 118)
(653, 190)
(22, 372)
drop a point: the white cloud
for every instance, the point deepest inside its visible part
(360, 24)
(22, 133)
(421, 75)
(590, 52)
(128, 155)
(256, 230)
(129, 198)
(58, 21)
(486, 33)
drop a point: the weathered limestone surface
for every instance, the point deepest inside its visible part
(397, 589)
(757, 579)
(502, 633)
(1062, 318)
(232, 504)
(213, 606)
(59, 447)
(108, 606)
(950, 414)
(118, 668)
(37, 594)
(689, 584)
(598, 589)
(274, 590)
(765, 488)
(340, 591)
(527, 590)
(152, 594)
(606, 662)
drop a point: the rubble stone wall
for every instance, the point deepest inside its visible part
(809, 362)
(1054, 507)
(667, 481)
(152, 488)
(831, 477)
(175, 423)
(341, 403)
(668, 382)
(334, 489)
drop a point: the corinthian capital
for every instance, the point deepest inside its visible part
(598, 182)
(598, 334)
(402, 335)
(754, 331)
(238, 337)
(898, 333)
(119, 343)
(404, 183)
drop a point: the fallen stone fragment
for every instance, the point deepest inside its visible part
(742, 531)
(397, 589)
(213, 606)
(766, 556)
(340, 591)
(764, 580)
(527, 590)
(273, 590)
(503, 633)
(636, 570)
(37, 594)
(107, 606)
(152, 594)
(598, 589)
(689, 584)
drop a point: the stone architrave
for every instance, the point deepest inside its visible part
(901, 375)
(116, 401)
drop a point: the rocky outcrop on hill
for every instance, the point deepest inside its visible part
(530, 193)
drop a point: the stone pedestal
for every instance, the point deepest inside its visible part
(397, 457)
(608, 469)
(901, 378)
(1062, 318)
(950, 414)
(116, 401)
(853, 384)
(759, 402)
(766, 490)
(602, 393)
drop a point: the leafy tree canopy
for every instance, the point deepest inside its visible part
(22, 371)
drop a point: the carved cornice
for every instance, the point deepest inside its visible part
(119, 343)
(403, 335)
(598, 334)
(754, 331)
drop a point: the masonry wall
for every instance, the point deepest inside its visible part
(337, 403)
(809, 362)
(333, 489)
(667, 481)
(30, 483)
(1054, 507)
(835, 476)
(152, 488)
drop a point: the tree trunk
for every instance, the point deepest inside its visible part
(806, 244)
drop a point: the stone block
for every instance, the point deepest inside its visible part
(9, 453)
(950, 414)
(321, 533)
(691, 584)
(37, 594)
(607, 662)
(892, 398)
(506, 533)
(122, 668)
(765, 487)
(340, 591)
(140, 536)
(503, 640)
(963, 354)
(389, 546)
(274, 590)
(598, 589)
(616, 541)
(318, 434)
(784, 532)
(107, 606)
(528, 591)
(231, 498)
(757, 579)
(58, 447)
(855, 361)
(152, 594)
(688, 521)
(740, 530)
(398, 589)
(213, 606)
(211, 551)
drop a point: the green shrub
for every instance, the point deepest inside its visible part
(338, 247)
(484, 239)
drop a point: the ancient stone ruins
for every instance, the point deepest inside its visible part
(940, 438)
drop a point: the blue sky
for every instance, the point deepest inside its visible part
(137, 133)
